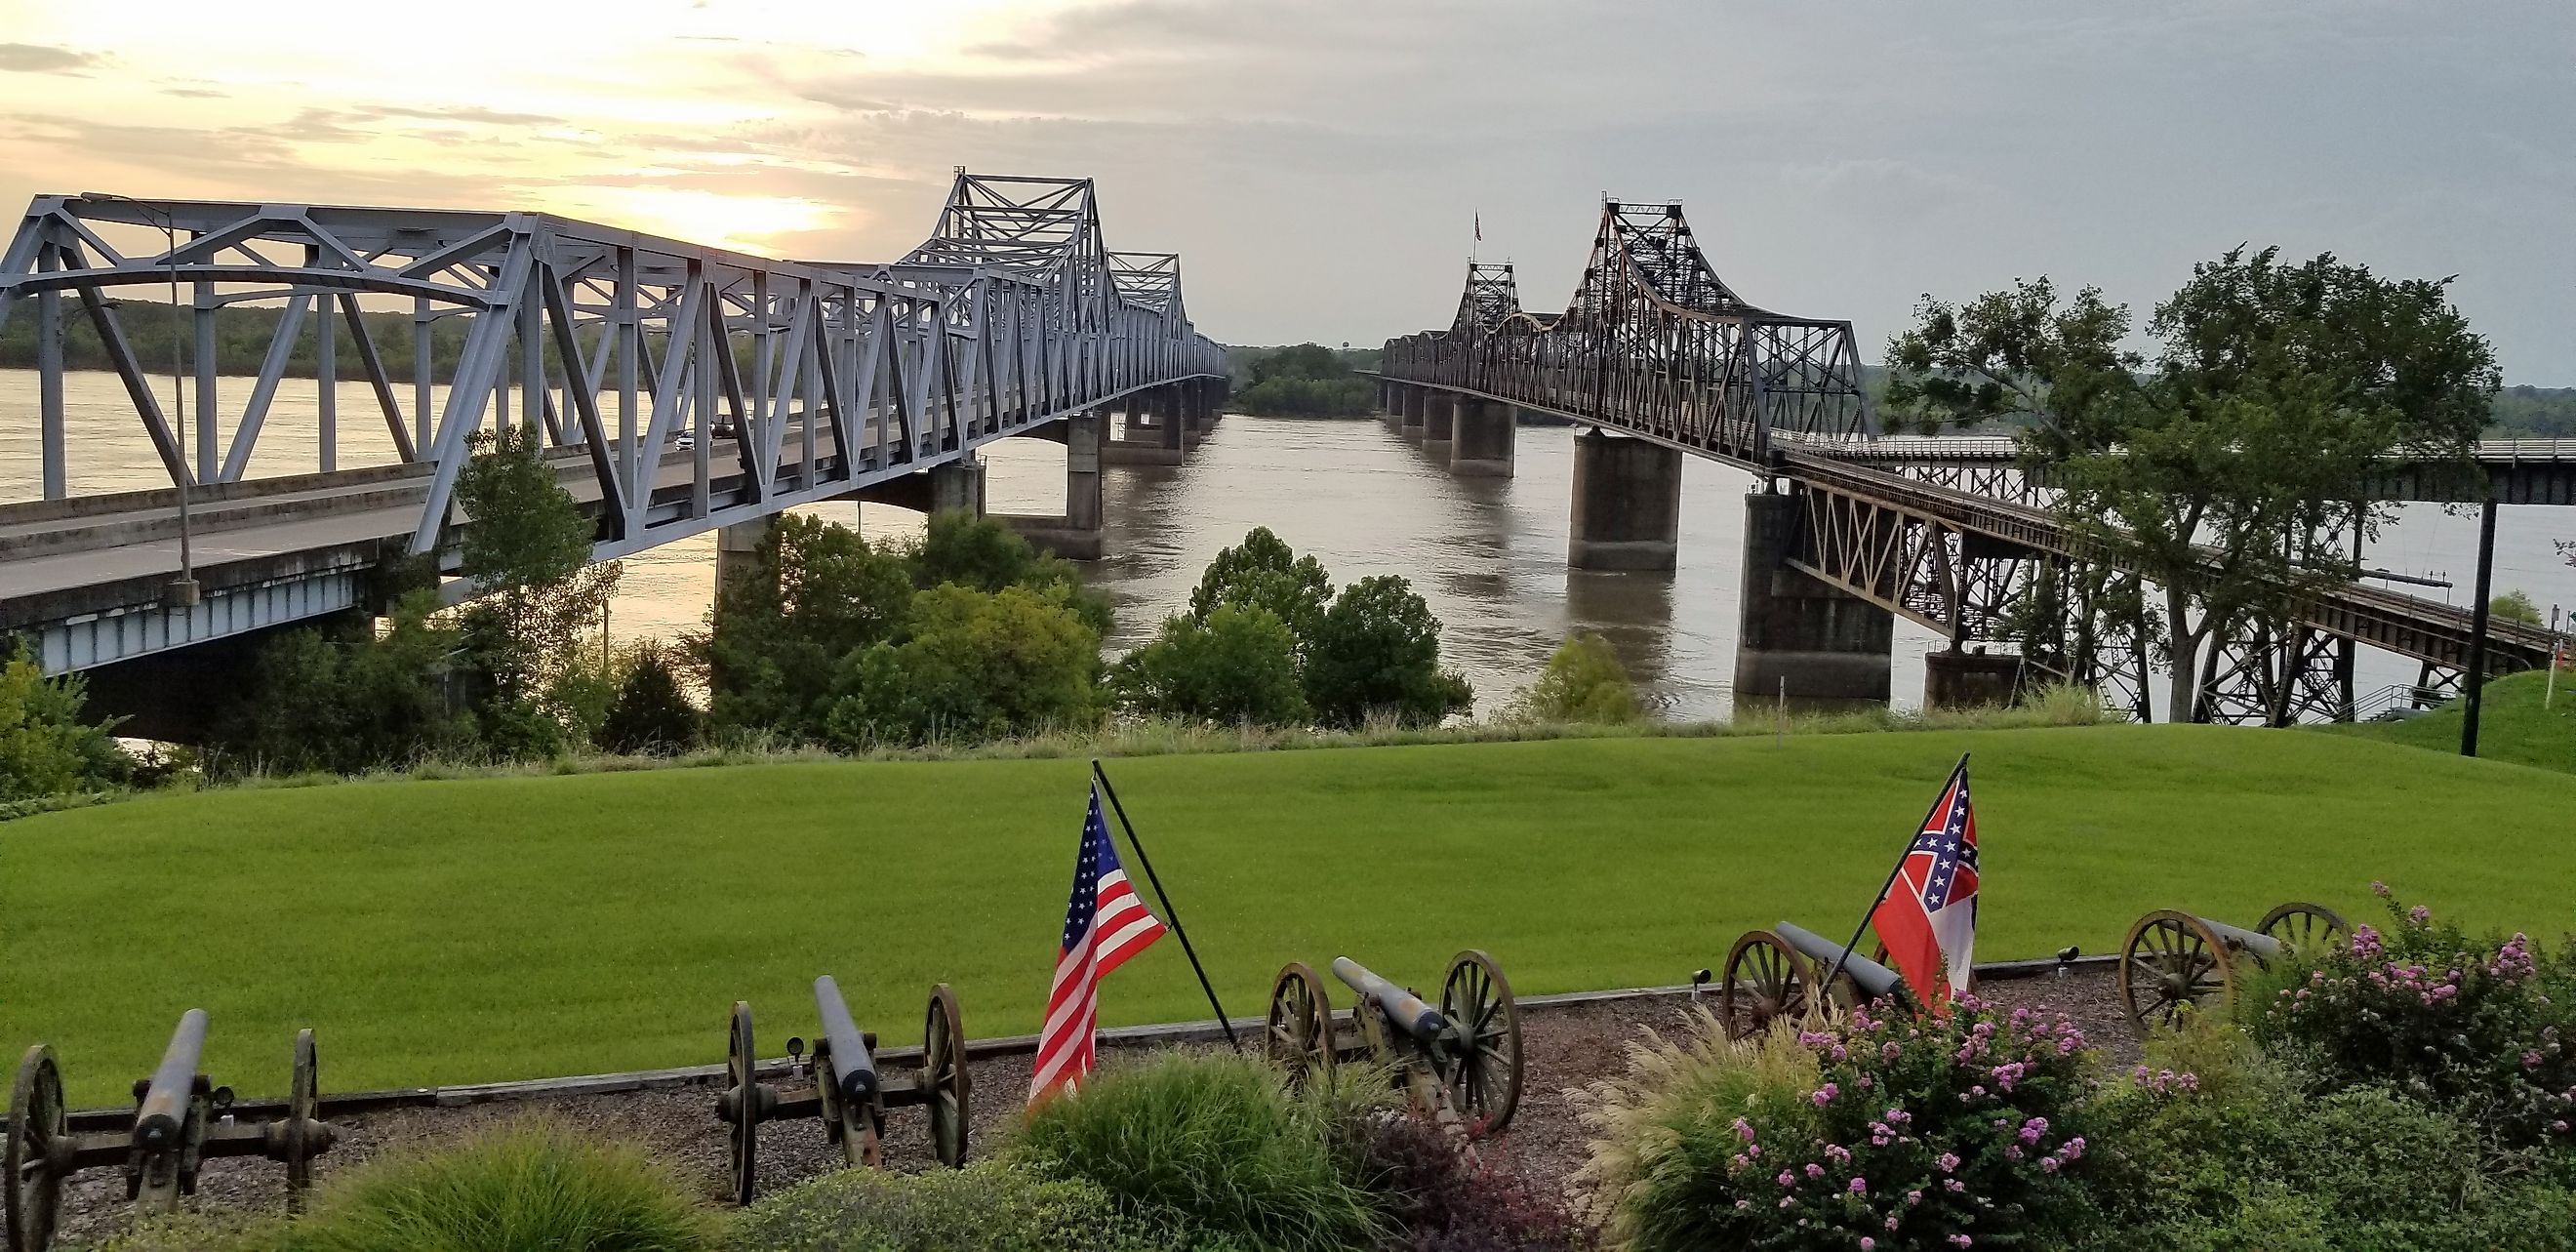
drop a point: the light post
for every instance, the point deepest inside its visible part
(182, 592)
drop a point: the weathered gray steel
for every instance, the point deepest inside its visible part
(2173, 962)
(841, 1086)
(1875, 981)
(1460, 1062)
(694, 386)
(1401, 1007)
(852, 1064)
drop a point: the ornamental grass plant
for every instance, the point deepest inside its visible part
(990, 1206)
(526, 1186)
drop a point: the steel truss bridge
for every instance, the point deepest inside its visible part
(1946, 532)
(680, 387)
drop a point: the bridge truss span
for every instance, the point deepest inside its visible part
(1653, 343)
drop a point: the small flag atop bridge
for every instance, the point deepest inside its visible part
(1104, 925)
(1927, 913)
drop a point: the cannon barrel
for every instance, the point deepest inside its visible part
(1402, 1007)
(1874, 980)
(173, 1085)
(856, 1070)
(2263, 946)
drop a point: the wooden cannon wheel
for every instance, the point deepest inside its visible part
(303, 1111)
(1298, 1036)
(1483, 1066)
(2171, 960)
(1765, 980)
(945, 1085)
(2305, 927)
(37, 1130)
(740, 1061)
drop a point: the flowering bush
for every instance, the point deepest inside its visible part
(2438, 1016)
(1442, 1197)
(1899, 1133)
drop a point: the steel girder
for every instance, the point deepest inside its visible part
(1654, 343)
(799, 377)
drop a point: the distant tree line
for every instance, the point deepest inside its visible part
(1308, 380)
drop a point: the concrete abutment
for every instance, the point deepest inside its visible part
(1818, 646)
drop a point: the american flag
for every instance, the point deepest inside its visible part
(1104, 924)
(1928, 915)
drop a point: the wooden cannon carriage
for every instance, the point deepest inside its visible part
(1772, 974)
(1459, 1063)
(841, 1085)
(2173, 960)
(180, 1121)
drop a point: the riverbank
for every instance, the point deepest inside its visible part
(492, 928)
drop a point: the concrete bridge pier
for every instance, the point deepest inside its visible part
(1439, 420)
(1417, 404)
(1953, 679)
(1076, 534)
(1819, 646)
(1156, 432)
(1627, 504)
(958, 486)
(738, 548)
(1481, 439)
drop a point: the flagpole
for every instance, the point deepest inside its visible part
(1863, 928)
(1169, 913)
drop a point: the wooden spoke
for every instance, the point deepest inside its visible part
(740, 1062)
(2172, 962)
(1765, 980)
(1482, 1065)
(37, 1129)
(944, 1080)
(1298, 1035)
(2305, 927)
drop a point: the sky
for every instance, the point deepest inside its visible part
(1320, 164)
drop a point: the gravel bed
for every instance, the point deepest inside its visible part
(1566, 1047)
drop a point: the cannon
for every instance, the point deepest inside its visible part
(180, 1121)
(842, 1086)
(1771, 974)
(2174, 960)
(1460, 1062)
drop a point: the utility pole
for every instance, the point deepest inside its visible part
(2478, 628)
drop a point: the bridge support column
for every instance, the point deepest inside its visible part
(1822, 647)
(1439, 422)
(1627, 504)
(1156, 435)
(1481, 440)
(738, 548)
(1417, 405)
(958, 486)
(1075, 536)
(1965, 680)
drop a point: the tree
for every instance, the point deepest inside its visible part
(1377, 650)
(651, 713)
(985, 554)
(1237, 663)
(972, 666)
(815, 592)
(351, 699)
(2514, 606)
(1583, 682)
(2211, 470)
(46, 747)
(1264, 572)
(528, 551)
(1308, 380)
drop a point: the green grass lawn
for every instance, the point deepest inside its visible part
(2517, 721)
(499, 928)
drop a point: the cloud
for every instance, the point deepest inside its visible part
(31, 58)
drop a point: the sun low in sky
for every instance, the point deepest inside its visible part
(1320, 165)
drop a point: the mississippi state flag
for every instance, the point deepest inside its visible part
(1928, 918)
(1104, 924)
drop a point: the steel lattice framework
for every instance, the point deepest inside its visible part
(701, 386)
(1653, 342)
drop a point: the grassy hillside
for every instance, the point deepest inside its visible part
(449, 931)
(2513, 724)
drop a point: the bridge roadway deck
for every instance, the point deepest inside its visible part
(2518, 471)
(2411, 626)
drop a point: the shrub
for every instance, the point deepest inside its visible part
(1237, 664)
(1211, 1146)
(975, 666)
(2215, 1145)
(524, 1187)
(1583, 683)
(1376, 651)
(46, 748)
(350, 700)
(2475, 1025)
(650, 714)
(987, 1207)
(1881, 1133)
(1444, 1198)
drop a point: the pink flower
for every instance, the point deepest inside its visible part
(1738, 1161)
(1788, 1179)
(1867, 1243)
(1814, 1170)
(1744, 1130)
(1949, 1161)
(1824, 1095)
(2419, 915)
(1913, 1197)
(1860, 1186)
